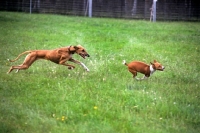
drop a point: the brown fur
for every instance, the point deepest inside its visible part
(141, 67)
(58, 56)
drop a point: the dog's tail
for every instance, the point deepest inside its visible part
(19, 56)
(124, 62)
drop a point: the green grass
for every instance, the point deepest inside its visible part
(50, 98)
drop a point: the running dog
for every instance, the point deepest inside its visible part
(147, 70)
(58, 56)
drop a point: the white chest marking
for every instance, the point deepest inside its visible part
(152, 70)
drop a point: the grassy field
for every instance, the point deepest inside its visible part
(48, 98)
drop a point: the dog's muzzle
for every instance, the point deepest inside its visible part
(162, 68)
(88, 55)
(84, 55)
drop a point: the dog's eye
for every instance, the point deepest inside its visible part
(83, 50)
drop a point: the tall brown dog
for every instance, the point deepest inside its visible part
(147, 70)
(58, 56)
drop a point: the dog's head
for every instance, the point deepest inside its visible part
(80, 50)
(157, 66)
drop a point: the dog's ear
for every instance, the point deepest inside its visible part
(76, 47)
(153, 65)
(155, 61)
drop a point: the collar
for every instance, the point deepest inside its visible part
(71, 52)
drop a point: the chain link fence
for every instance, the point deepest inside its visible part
(166, 10)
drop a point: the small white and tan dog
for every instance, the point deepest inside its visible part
(141, 67)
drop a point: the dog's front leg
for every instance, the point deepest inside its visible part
(138, 78)
(144, 77)
(62, 62)
(78, 62)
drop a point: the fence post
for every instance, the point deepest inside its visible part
(90, 8)
(154, 10)
(30, 6)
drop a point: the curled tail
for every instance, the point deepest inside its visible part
(124, 62)
(19, 56)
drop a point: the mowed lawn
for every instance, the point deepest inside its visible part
(49, 98)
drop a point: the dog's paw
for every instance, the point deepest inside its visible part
(70, 67)
(124, 62)
(138, 79)
(87, 70)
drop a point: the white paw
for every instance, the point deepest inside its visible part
(123, 62)
(70, 68)
(138, 78)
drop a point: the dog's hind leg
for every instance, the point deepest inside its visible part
(133, 72)
(17, 71)
(26, 64)
(18, 68)
(145, 77)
